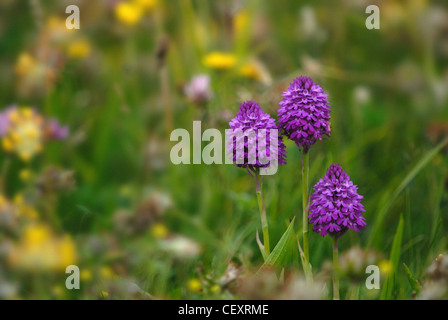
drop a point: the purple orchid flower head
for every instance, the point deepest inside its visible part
(304, 113)
(251, 132)
(336, 205)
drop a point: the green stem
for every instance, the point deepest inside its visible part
(335, 270)
(261, 207)
(305, 174)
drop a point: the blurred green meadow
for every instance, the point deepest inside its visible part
(107, 198)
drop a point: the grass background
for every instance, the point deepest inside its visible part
(118, 99)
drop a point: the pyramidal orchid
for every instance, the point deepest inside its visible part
(335, 208)
(249, 142)
(304, 117)
(336, 205)
(251, 118)
(304, 113)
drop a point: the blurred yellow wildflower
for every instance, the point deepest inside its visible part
(25, 62)
(194, 285)
(23, 208)
(159, 230)
(54, 22)
(59, 291)
(255, 70)
(129, 12)
(25, 175)
(25, 134)
(249, 70)
(106, 273)
(67, 251)
(104, 294)
(240, 21)
(56, 30)
(85, 275)
(385, 267)
(78, 49)
(215, 289)
(39, 249)
(219, 60)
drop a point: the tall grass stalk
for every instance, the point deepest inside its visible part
(305, 174)
(264, 220)
(335, 270)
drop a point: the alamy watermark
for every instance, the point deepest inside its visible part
(249, 147)
(72, 281)
(72, 21)
(373, 20)
(373, 280)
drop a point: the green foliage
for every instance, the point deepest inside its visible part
(395, 253)
(284, 251)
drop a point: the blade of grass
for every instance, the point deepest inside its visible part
(395, 253)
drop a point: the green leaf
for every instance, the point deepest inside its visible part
(307, 269)
(394, 259)
(279, 255)
(415, 284)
